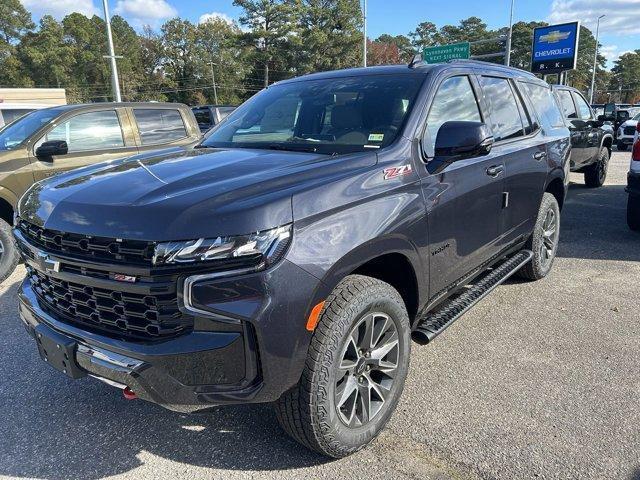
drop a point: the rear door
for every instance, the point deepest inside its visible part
(92, 136)
(464, 201)
(592, 131)
(161, 127)
(520, 145)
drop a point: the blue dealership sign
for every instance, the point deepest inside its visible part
(555, 48)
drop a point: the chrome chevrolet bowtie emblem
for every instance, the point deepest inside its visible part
(48, 263)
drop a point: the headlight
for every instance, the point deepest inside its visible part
(262, 248)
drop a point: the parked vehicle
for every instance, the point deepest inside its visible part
(591, 139)
(49, 141)
(208, 116)
(633, 184)
(292, 255)
(626, 133)
(10, 112)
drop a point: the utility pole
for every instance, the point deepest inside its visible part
(115, 85)
(364, 28)
(213, 79)
(507, 56)
(595, 61)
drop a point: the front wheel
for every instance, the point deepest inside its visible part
(596, 174)
(355, 369)
(8, 251)
(544, 240)
(633, 212)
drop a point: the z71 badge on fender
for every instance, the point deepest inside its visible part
(393, 172)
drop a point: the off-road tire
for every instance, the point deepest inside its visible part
(536, 269)
(9, 258)
(633, 212)
(596, 174)
(307, 411)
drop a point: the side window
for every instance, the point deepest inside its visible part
(503, 108)
(568, 107)
(454, 101)
(584, 111)
(544, 104)
(88, 131)
(158, 125)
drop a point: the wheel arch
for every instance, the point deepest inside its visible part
(6, 210)
(607, 142)
(556, 187)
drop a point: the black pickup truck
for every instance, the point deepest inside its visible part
(591, 138)
(294, 254)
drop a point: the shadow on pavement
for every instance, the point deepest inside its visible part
(594, 225)
(53, 427)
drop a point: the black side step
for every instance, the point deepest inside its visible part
(436, 322)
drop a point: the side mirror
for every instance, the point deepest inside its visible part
(459, 140)
(49, 149)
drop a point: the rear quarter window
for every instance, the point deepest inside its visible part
(159, 125)
(503, 108)
(544, 104)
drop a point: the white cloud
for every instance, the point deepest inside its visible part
(145, 12)
(621, 15)
(610, 52)
(215, 15)
(60, 8)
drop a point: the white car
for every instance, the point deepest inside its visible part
(626, 133)
(633, 184)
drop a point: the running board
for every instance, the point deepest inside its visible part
(434, 323)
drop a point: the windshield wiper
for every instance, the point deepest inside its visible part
(291, 147)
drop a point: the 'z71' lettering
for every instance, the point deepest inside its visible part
(393, 172)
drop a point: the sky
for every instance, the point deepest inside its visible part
(619, 29)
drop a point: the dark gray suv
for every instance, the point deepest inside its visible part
(295, 252)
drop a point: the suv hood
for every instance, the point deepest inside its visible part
(629, 123)
(181, 195)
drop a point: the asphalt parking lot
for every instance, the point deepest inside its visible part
(539, 380)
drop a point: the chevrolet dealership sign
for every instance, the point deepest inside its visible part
(555, 48)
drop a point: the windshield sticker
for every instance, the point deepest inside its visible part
(376, 137)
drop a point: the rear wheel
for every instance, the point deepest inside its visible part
(355, 369)
(596, 174)
(8, 251)
(544, 240)
(633, 212)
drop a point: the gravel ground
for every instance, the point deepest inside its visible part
(539, 380)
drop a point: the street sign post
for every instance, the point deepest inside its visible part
(442, 53)
(555, 48)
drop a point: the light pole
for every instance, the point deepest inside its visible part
(507, 56)
(213, 79)
(364, 32)
(115, 85)
(595, 60)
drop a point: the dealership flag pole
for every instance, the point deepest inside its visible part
(595, 61)
(507, 57)
(115, 85)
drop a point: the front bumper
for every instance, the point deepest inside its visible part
(254, 359)
(626, 140)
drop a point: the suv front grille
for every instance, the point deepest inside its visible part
(124, 314)
(135, 252)
(629, 130)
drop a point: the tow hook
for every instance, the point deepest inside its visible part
(129, 394)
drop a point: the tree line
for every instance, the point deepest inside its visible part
(272, 40)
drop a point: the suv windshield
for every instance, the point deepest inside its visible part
(17, 132)
(330, 116)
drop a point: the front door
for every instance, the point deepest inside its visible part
(91, 137)
(464, 201)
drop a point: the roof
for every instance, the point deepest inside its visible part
(80, 106)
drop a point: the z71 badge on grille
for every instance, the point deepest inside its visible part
(393, 172)
(119, 277)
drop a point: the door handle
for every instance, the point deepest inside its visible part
(539, 155)
(495, 170)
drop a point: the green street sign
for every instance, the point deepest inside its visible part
(443, 53)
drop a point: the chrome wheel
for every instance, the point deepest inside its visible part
(1, 250)
(549, 238)
(367, 369)
(602, 170)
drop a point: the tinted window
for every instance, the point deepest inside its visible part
(503, 107)
(158, 125)
(13, 135)
(583, 107)
(454, 101)
(568, 107)
(88, 131)
(203, 115)
(544, 104)
(332, 115)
